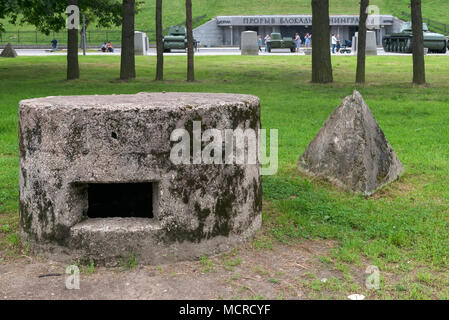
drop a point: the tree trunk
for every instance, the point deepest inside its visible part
(190, 53)
(128, 64)
(159, 42)
(361, 46)
(419, 69)
(321, 55)
(73, 70)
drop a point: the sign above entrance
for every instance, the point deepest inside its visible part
(295, 20)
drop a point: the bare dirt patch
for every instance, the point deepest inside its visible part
(244, 273)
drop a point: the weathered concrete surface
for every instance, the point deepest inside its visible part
(250, 43)
(351, 150)
(68, 142)
(141, 43)
(371, 43)
(8, 52)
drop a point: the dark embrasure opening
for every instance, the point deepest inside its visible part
(123, 200)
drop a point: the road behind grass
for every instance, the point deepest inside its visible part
(403, 229)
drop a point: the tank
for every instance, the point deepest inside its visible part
(176, 39)
(402, 42)
(277, 42)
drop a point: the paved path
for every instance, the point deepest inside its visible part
(48, 52)
(233, 51)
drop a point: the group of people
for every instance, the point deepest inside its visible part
(336, 43)
(107, 47)
(303, 40)
(267, 37)
(261, 42)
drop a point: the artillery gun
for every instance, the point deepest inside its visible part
(402, 42)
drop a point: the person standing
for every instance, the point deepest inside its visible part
(54, 44)
(338, 43)
(267, 38)
(307, 40)
(259, 40)
(334, 42)
(298, 42)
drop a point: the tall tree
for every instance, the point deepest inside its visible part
(128, 63)
(361, 46)
(321, 55)
(73, 69)
(190, 53)
(159, 42)
(419, 68)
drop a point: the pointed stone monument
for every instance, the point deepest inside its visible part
(351, 150)
(8, 52)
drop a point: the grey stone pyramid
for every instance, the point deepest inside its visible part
(351, 150)
(8, 52)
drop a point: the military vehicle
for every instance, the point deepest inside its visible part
(277, 42)
(402, 42)
(177, 39)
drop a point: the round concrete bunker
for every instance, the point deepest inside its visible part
(98, 180)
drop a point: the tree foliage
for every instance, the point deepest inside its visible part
(8, 10)
(50, 15)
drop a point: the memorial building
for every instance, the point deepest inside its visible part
(227, 30)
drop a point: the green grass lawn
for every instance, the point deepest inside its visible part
(174, 10)
(403, 229)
